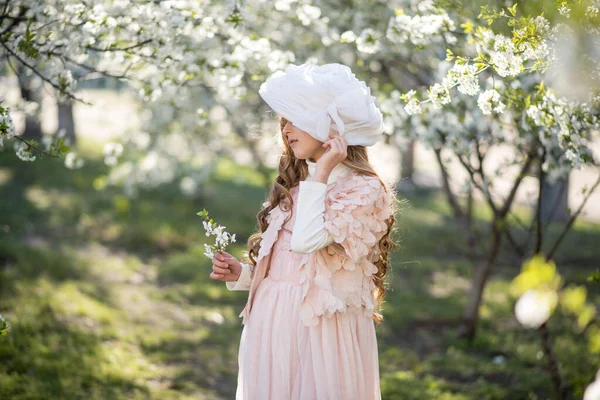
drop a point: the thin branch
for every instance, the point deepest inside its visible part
(472, 173)
(572, 220)
(93, 69)
(35, 148)
(121, 48)
(38, 73)
(519, 249)
(513, 191)
(538, 214)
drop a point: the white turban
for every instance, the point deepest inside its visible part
(313, 96)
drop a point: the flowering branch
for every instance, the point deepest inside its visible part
(223, 238)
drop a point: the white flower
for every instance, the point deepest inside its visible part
(72, 161)
(112, 151)
(542, 25)
(24, 153)
(283, 5)
(439, 96)
(5, 120)
(488, 100)
(222, 240)
(465, 76)
(367, 42)
(413, 105)
(348, 36)
(591, 11)
(504, 59)
(564, 11)
(534, 308)
(207, 227)
(593, 391)
(308, 13)
(208, 251)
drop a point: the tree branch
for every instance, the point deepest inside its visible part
(572, 220)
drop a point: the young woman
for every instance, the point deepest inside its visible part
(317, 267)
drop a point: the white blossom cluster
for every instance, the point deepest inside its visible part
(24, 152)
(421, 29)
(7, 127)
(439, 95)
(465, 76)
(112, 151)
(162, 48)
(564, 129)
(222, 237)
(368, 42)
(73, 160)
(490, 100)
(413, 105)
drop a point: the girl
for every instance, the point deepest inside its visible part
(317, 267)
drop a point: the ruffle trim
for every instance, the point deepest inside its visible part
(269, 237)
(341, 281)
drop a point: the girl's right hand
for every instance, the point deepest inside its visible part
(225, 267)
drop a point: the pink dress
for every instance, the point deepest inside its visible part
(282, 359)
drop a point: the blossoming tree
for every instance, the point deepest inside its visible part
(489, 92)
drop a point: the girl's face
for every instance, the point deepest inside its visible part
(302, 144)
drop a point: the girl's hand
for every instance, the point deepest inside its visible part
(338, 151)
(225, 267)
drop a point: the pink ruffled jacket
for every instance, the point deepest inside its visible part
(338, 277)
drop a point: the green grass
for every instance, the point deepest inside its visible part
(109, 298)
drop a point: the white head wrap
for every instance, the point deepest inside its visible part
(313, 96)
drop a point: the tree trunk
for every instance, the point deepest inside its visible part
(66, 121)
(31, 91)
(555, 200)
(482, 273)
(407, 183)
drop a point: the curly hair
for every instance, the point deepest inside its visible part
(292, 170)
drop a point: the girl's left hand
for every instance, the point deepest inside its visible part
(338, 151)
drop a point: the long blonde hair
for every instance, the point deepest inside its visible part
(292, 170)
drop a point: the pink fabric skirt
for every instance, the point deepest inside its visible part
(280, 358)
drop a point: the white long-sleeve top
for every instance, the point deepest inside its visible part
(309, 233)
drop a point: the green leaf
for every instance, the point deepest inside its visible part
(573, 299)
(467, 26)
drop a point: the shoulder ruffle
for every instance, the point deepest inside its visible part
(355, 215)
(338, 278)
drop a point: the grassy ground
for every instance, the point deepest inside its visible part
(110, 298)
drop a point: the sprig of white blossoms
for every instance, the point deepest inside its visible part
(223, 238)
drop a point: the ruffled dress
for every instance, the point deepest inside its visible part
(280, 358)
